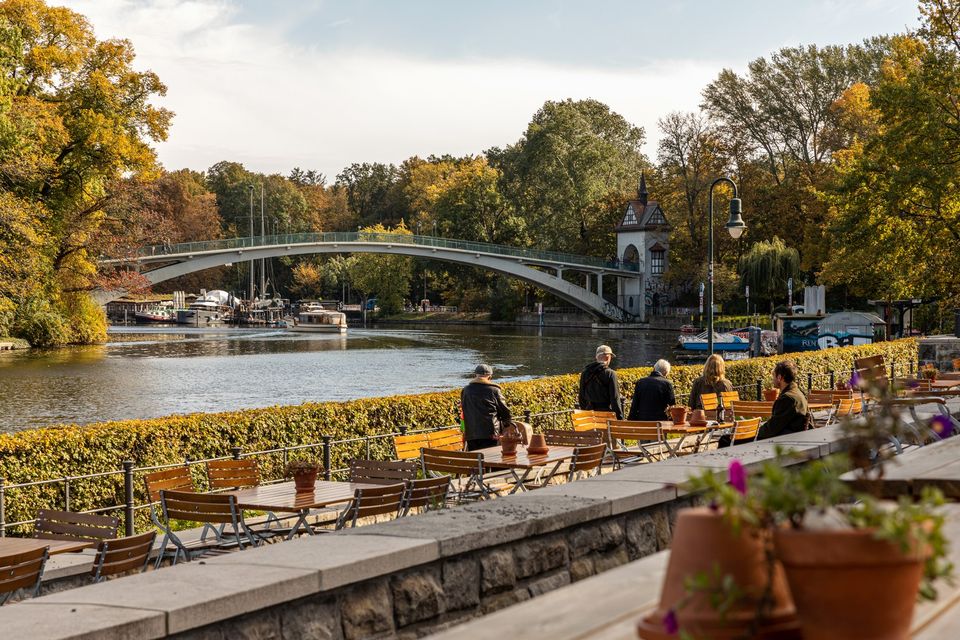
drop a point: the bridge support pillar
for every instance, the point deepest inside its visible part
(600, 284)
(559, 273)
(586, 281)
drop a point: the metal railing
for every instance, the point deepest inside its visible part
(327, 449)
(562, 259)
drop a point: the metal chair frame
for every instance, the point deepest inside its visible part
(121, 555)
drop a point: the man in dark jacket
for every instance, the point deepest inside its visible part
(485, 411)
(790, 410)
(599, 389)
(653, 394)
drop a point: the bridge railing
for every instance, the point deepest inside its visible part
(385, 238)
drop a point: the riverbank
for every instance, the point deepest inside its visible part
(72, 450)
(13, 344)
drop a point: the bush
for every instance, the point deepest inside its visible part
(54, 452)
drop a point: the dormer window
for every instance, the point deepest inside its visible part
(630, 217)
(657, 217)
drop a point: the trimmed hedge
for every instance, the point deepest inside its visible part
(54, 452)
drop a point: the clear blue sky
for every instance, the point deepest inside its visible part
(320, 84)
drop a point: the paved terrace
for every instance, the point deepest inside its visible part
(427, 574)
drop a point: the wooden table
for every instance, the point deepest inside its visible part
(494, 459)
(284, 498)
(700, 431)
(935, 465)
(9, 546)
(944, 384)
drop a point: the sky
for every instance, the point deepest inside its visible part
(315, 84)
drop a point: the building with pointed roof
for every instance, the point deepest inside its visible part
(643, 238)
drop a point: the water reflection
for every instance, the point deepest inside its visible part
(147, 372)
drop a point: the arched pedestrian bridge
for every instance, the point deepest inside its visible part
(541, 268)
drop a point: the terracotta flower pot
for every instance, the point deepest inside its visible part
(305, 480)
(847, 584)
(771, 394)
(678, 414)
(698, 416)
(703, 543)
(508, 446)
(538, 445)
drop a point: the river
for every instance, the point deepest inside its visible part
(145, 372)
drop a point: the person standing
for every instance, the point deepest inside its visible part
(599, 388)
(790, 414)
(653, 394)
(713, 380)
(485, 411)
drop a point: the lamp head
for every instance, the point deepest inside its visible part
(735, 224)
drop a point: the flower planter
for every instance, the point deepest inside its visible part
(704, 543)
(771, 395)
(678, 415)
(305, 480)
(538, 445)
(847, 584)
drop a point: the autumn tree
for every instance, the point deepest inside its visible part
(75, 117)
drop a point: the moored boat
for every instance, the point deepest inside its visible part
(313, 318)
(721, 342)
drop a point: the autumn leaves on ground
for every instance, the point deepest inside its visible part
(845, 157)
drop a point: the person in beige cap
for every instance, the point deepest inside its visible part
(599, 389)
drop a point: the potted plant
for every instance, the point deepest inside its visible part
(509, 439)
(771, 394)
(678, 413)
(303, 472)
(855, 564)
(928, 371)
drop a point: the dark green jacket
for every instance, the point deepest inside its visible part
(789, 414)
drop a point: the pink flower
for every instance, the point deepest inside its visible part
(670, 624)
(942, 426)
(854, 382)
(737, 477)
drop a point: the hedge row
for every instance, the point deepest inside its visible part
(72, 450)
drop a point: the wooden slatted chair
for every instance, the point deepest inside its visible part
(751, 409)
(383, 471)
(568, 438)
(207, 508)
(466, 466)
(426, 494)
(872, 370)
(66, 525)
(448, 439)
(589, 420)
(408, 447)
(22, 571)
(233, 474)
(648, 436)
(586, 460)
(745, 431)
(711, 401)
(123, 555)
(920, 385)
(176, 478)
(370, 502)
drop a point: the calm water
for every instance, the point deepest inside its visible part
(149, 372)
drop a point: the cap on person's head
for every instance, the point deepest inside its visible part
(483, 370)
(604, 350)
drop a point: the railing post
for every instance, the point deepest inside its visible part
(893, 371)
(366, 444)
(809, 381)
(403, 429)
(759, 390)
(235, 452)
(526, 417)
(833, 381)
(3, 518)
(66, 494)
(128, 525)
(911, 368)
(327, 475)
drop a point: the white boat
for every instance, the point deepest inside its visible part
(313, 318)
(721, 342)
(163, 312)
(212, 308)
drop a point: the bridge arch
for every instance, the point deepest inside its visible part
(524, 265)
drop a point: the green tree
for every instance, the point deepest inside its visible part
(767, 266)
(374, 193)
(385, 277)
(574, 161)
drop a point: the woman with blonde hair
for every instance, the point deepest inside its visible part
(713, 380)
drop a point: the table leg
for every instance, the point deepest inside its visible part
(301, 521)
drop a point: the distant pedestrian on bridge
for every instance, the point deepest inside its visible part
(485, 411)
(599, 389)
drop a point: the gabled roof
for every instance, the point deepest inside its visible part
(641, 217)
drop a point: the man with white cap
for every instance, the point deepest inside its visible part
(599, 389)
(485, 411)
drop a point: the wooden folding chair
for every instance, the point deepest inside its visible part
(568, 438)
(176, 478)
(233, 474)
(383, 471)
(426, 494)
(375, 501)
(22, 571)
(67, 525)
(584, 420)
(207, 508)
(751, 409)
(710, 401)
(872, 369)
(123, 555)
(745, 431)
(408, 447)
(449, 439)
(586, 459)
(466, 466)
(648, 436)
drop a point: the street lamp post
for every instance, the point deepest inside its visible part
(735, 226)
